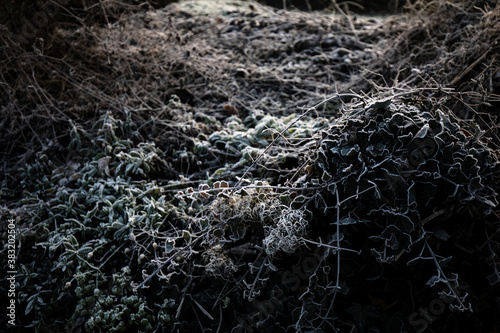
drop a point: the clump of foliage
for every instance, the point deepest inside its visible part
(370, 205)
(405, 165)
(83, 218)
(397, 175)
(369, 194)
(157, 188)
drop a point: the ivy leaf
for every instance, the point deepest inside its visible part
(347, 220)
(187, 236)
(441, 234)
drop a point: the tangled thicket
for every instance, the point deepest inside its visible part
(240, 168)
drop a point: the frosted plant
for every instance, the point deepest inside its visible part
(217, 262)
(285, 234)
